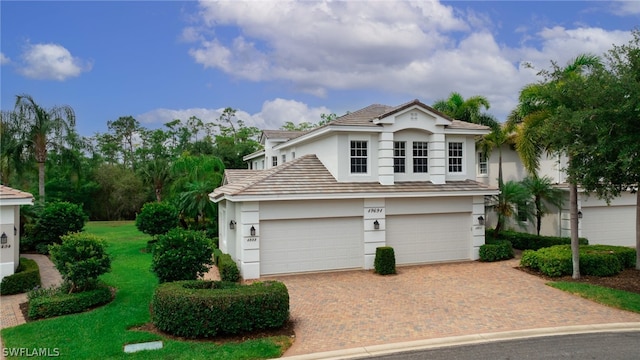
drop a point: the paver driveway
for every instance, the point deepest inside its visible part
(342, 310)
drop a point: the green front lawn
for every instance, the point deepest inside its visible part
(611, 297)
(103, 332)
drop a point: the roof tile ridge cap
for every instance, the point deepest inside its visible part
(266, 174)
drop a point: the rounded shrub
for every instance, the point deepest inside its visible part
(81, 259)
(157, 218)
(54, 221)
(181, 255)
(202, 309)
(595, 260)
(385, 261)
(498, 250)
(26, 278)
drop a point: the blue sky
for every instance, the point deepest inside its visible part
(277, 61)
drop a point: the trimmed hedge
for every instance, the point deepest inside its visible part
(525, 241)
(595, 260)
(227, 267)
(385, 261)
(50, 303)
(496, 251)
(26, 278)
(202, 309)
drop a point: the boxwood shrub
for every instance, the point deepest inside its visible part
(595, 260)
(525, 241)
(496, 251)
(203, 309)
(46, 303)
(26, 278)
(385, 261)
(227, 267)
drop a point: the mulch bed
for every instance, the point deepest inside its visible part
(627, 280)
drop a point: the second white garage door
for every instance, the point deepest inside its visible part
(610, 225)
(289, 246)
(420, 239)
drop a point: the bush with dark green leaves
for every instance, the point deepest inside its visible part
(54, 221)
(228, 268)
(81, 259)
(385, 261)
(525, 241)
(204, 309)
(46, 303)
(496, 251)
(181, 255)
(157, 218)
(595, 260)
(26, 278)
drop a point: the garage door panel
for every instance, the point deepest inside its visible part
(429, 238)
(610, 225)
(311, 245)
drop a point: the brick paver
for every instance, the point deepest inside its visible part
(342, 310)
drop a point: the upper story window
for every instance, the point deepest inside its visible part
(399, 156)
(274, 161)
(358, 157)
(420, 157)
(293, 155)
(284, 158)
(483, 167)
(455, 157)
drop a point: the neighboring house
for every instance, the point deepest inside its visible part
(612, 224)
(10, 201)
(325, 199)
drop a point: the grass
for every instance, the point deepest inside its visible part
(611, 297)
(103, 332)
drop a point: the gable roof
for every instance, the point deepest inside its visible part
(306, 177)
(9, 196)
(281, 134)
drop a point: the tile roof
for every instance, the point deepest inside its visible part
(307, 175)
(282, 134)
(7, 194)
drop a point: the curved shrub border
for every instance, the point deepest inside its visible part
(524, 241)
(201, 309)
(50, 303)
(496, 251)
(595, 260)
(26, 278)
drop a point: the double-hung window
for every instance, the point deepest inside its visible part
(483, 168)
(399, 156)
(274, 161)
(420, 157)
(455, 157)
(358, 157)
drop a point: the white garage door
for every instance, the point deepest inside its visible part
(610, 225)
(288, 246)
(429, 238)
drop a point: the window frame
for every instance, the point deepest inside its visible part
(358, 163)
(420, 157)
(274, 161)
(458, 166)
(399, 157)
(483, 164)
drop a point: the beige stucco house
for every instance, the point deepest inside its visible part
(401, 176)
(10, 201)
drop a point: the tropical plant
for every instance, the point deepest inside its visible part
(43, 129)
(157, 218)
(54, 221)
(512, 202)
(543, 193)
(182, 255)
(469, 110)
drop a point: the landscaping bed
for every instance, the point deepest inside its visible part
(627, 280)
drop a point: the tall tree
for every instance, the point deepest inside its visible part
(235, 140)
(125, 129)
(44, 129)
(469, 110)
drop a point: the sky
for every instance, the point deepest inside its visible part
(278, 61)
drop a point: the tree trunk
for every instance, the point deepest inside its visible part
(41, 181)
(638, 228)
(158, 194)
(573, 218)
(538, 214)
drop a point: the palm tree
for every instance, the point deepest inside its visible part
(11, 152)
(512, 201)
(543, 192)
(157, 172)
(468, 110)
(532, 119)
(44, 129)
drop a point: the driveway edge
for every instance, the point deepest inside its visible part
(366, 351)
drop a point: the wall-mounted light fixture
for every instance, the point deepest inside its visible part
(376, 225)
(579, 214)
(15, 231)
(481, 220)
(232, 225)
(252, 231)
(3, 238)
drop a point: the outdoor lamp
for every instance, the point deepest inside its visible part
(3, 238)
(579, 214)
(253, 231)
(481, 220)
(232, 225)
(15, 231)
(376, 225)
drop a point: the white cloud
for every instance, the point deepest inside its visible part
(420, 48)
(51, 62)
(625, 8)
(273, 115)
(3, 59)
